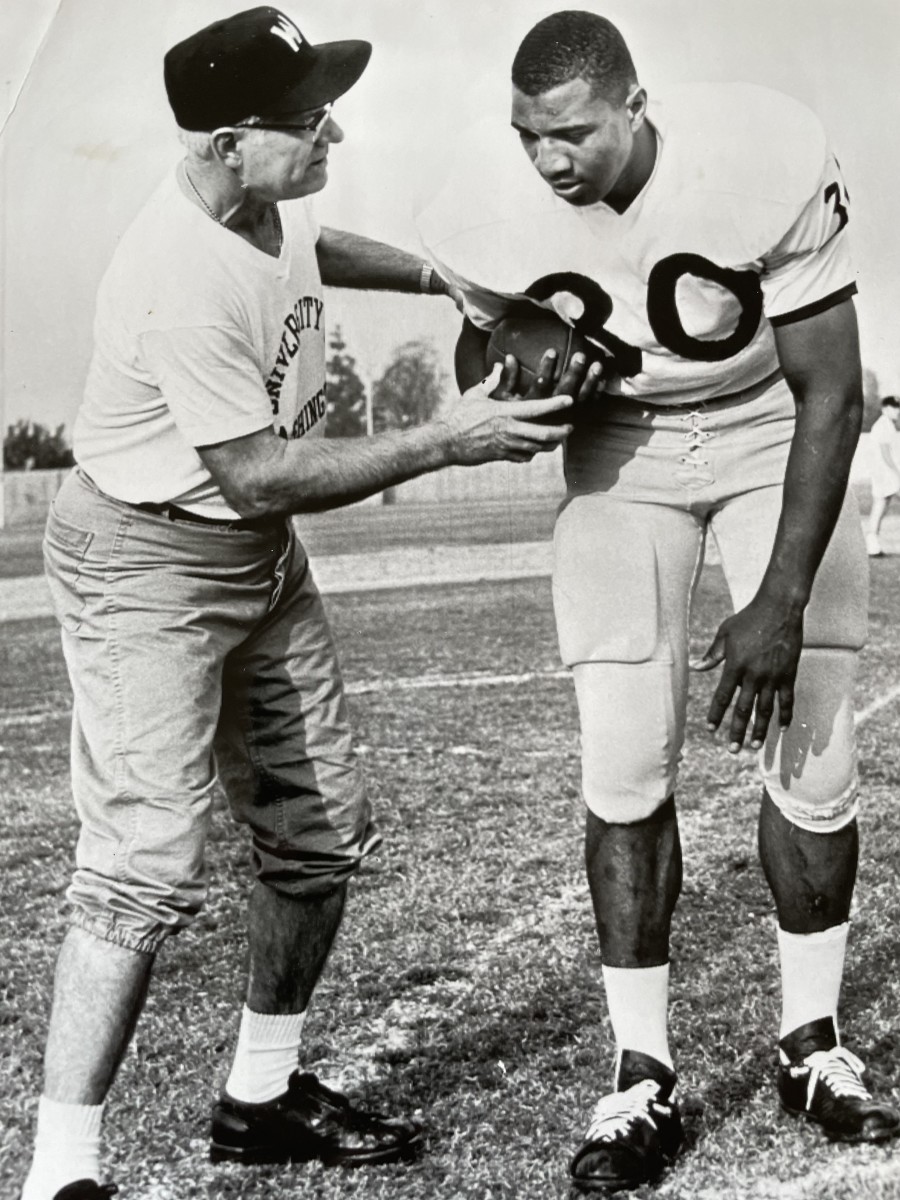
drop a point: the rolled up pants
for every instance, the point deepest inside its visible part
(197, 654)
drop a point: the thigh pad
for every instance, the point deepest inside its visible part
(606, 584)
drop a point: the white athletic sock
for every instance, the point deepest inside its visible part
(66, 1147)
(638, 999)
(266, 1055)
(812, 965)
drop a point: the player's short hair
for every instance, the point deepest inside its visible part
(890, 402)
(571, 45)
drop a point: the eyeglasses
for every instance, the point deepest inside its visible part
(313, 124)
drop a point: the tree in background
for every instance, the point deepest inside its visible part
(410, 390)
(29, 446)
(345, 412)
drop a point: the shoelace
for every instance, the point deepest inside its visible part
(614, 1113)
(840, 1070)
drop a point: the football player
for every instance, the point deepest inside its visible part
(701, 242)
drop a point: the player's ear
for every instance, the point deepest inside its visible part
(636, 104)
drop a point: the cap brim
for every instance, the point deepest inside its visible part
(337, 67)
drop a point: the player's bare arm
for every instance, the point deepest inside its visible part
(352, 261)
(262, 474)
(760, 645)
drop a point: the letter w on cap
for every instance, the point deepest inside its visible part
(290, 33)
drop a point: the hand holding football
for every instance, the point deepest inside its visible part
(528, 336)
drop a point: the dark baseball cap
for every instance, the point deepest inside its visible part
(256, 64)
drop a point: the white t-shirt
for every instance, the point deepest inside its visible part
(199, 338)
(740, 227)
(884, 433)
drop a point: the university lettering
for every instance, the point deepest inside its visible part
(305, 315)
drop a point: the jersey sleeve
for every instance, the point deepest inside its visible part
(810, 268)
(210, 380)
(484, 308)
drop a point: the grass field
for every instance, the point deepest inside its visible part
(360, 529)
(368, 528)
(465, 982)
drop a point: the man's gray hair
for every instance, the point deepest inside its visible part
(197, 144)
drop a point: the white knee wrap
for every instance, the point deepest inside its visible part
(809, 770)
(621, 585)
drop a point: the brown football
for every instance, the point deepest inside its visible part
(528, 335)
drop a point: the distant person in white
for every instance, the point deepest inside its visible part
(885, 470)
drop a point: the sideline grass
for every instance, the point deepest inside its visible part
(361, 529)
(465, 980)
(367, 528)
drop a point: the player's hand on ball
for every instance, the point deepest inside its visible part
(760, 647)
(580, 380)
(487, 426)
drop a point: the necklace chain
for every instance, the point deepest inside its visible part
(218, 220)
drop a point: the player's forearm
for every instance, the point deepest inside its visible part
(818, 471)
(315, 475)
(351, 261)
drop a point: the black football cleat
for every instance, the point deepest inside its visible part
(819, 1080)
(309, 1121)
(86, 1189)
(635, 1131)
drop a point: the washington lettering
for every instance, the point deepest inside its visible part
(310, 414)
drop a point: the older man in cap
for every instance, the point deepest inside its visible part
(194, 636)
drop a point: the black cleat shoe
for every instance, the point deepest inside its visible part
(635, 1131)
(86, 1189)
(823, 1082)
(309, 1121)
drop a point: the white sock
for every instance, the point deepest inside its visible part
(66, 1147)
(638, 999)
(812, 965)
(266, 1055)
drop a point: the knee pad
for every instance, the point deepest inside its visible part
(631, 733)
(622, 624)
(809, 769)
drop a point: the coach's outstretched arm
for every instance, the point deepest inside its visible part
(350, 260)
(262, 474)
(761, 644)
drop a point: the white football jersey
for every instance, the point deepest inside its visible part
(741, 226)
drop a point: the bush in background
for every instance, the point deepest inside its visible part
(29, 446)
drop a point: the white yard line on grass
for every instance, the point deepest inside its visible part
(473, 679)
(871, 1181)
(39, 718)
(415, 683)
(877, 705)
(28, 597)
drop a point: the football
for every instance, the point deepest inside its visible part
(528, 336)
